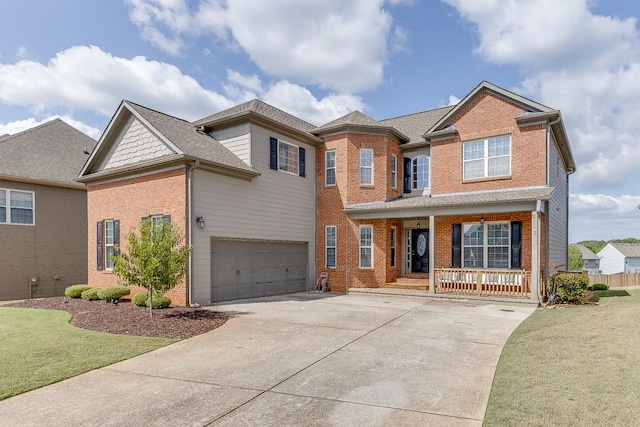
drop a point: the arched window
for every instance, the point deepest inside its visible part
(420, 172)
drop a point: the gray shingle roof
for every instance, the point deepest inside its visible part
(586, 252)
(353, 118)
(515, 195)
(192, 143)
(629, 250)
(261, 108)
(52, 151)
(416, 125)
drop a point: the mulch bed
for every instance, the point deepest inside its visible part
(128, 319)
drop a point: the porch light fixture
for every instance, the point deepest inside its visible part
(418, 225)
(201, 222)
(482, 220)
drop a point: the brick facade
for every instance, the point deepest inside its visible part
(128, 200)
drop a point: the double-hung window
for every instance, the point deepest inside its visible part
(486, 245)
(330, 246)
(366, 246)
(394, 171)
(420, 169)
(16, 207)
(486, 158)
(366, 166)
(286, 157)
(109, 240)
(330, 167)
(393, 246)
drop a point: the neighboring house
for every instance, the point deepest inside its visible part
(590, 260)
(42, 210)
(620, 258)
(471, 197)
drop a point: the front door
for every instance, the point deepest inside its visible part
(420, 250)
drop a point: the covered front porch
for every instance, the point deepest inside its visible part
(468, 245)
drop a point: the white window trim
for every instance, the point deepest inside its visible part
(394, 171)
(394, 246)
(7, 207)
(366, 167)
(485, 171)
(326, 168)
(334, 246)
(360, 247)
(106, 245)
(485, 245)
(413, 177)
(297, 163)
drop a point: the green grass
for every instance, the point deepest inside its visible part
(40, 347)
(573, 366)
(608, 293)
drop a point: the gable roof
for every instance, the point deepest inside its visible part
(52, 152)
(186, 141)
(358, 121)
(534, 112)
(415, 125)
(586, 252)
(629, 250)
(260, 110)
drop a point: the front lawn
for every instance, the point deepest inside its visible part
(571, 366)
(40, 347)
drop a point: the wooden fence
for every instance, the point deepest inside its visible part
(503, 283)
(615, 280)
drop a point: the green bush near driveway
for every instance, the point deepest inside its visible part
(113, 292)
(90, 294)
(45, 348)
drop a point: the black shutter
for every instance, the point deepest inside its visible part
(456, 246)
(99, 260)
(301, 161)
(516, 244)
(166, 218)
(116, 235)
(406, 178)
(273, 157)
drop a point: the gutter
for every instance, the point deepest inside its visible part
(190, 234)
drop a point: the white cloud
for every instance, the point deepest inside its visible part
(586, 65)
(453, 100)
(333, 44)
(64, 83)
(23, 52)
(20, 125)
(603, 217)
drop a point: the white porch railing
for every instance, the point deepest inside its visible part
(503, 283)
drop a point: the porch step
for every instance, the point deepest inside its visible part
(413, 284)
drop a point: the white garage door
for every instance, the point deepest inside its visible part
(245, 269)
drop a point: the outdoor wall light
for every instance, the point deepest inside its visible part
(418, 225)
(482, 220)
(200, 221)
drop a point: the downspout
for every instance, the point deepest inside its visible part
(190, 220)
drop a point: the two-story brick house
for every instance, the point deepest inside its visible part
(471, 199)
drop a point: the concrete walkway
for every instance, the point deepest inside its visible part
(305, 359)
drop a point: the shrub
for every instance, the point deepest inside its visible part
(139, 299)
(160, 301)
(568, 287)
(75, 291)
(600, 287)
(113, 292)
(90, 294)
(589, 288)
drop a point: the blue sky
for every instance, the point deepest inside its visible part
(320, 59)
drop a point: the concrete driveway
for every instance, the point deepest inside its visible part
(304, 359)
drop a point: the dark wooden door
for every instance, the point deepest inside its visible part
(420, 250)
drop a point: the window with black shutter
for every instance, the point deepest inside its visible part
(99, 252)
(456, 246)
(516, 244)
(406, 177)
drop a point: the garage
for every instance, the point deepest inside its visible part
(250, 269)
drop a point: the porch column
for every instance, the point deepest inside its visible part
(535, 255)
(432, 257)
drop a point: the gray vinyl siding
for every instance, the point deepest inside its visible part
(56, 246)
(275, 206)
(237, 139)
(558, 209)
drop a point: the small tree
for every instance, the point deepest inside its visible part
(156, 258)
(575, 259)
